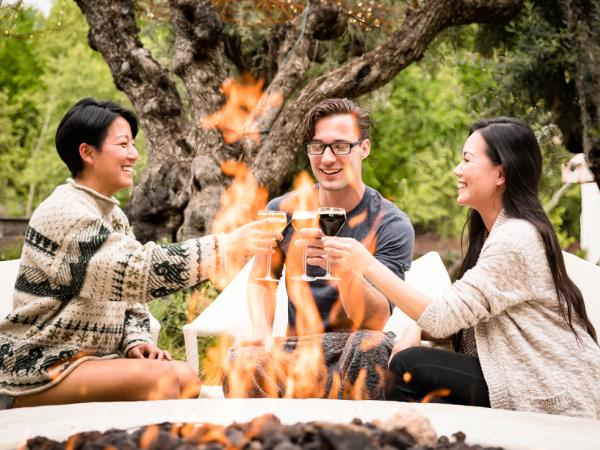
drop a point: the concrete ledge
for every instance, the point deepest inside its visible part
(512, 430)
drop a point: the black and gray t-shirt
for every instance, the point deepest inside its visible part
(375, 218)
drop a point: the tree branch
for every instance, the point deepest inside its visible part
(114, 33)
(320, 20)
(372, 70)
(198, 57)
(582, 24)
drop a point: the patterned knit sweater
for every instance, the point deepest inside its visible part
(82, 286)
(530, 358)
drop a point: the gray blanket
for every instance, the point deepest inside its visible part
(338, 365)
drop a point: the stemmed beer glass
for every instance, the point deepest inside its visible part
(301, 220)
(331, 221)
(277, 224)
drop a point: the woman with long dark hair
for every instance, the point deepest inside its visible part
(522, 337)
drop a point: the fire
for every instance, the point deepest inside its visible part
(304, 197)
(303, 372)
(149, 436)
(245, 102)
(442, 392)
(239, 205)
(72, 442)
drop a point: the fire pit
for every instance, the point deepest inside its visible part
(511, 430)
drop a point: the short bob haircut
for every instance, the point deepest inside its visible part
(87, 122)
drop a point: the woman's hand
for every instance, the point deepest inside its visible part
(347, 253)
(148, 351)
(252, 238)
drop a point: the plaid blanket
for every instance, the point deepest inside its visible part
(337, 365)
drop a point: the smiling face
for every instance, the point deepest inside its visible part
(338, 172)
(480, 181)
(110, 169)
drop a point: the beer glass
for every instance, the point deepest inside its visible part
(277, 223)
(300, 220)
(331, 221)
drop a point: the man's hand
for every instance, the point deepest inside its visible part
(311, 237)
(148, 351)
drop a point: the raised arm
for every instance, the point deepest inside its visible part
(392, 246)
(351, 254)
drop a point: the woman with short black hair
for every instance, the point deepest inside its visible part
(79, 328)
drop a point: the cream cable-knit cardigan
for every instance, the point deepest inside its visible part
(530, 358)
(82, 286)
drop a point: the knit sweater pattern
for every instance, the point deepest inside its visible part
(530, 358)
(82, 288)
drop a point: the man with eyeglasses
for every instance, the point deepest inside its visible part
(350, 314)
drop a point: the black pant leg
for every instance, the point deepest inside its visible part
(416, 372)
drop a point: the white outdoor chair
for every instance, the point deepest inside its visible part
(228, 314)
(587, 278)
(8, 276)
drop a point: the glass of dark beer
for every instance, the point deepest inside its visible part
(331, 221)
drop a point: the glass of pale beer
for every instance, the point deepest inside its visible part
(277, 224)
(301, 220)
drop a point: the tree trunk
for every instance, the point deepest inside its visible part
(582, 18)
(180, 191)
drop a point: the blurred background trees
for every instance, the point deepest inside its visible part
(524, 67)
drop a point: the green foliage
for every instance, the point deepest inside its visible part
(565, 222)
(420, 127)
(174, 311)
(56, 69)
(418, 136)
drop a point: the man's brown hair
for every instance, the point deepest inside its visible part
(333, 106)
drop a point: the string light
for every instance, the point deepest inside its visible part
(367, 15)
(13, 15)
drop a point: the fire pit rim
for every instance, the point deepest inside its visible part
(510, 429)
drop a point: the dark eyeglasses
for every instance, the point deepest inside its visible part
(338, 148)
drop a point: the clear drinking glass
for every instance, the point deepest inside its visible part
(331, 221)
(301, 220)
(278, 223)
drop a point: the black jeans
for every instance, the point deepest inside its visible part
(435, 375)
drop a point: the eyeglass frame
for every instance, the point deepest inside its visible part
(352, 145)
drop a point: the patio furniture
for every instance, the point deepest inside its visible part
(587, 278)
(8, 276)
(228, 314)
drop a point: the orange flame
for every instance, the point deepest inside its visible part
(72, 442)
(239, 204)
(149, 436)
(442, 392)
(245, 101)
(302, 373)
(304, 196)
(241, 201)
